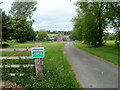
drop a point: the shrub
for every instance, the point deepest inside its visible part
(8, 43)
(5, 44)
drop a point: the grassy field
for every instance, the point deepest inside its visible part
(57, 70)
(52, 35)
(108, 52)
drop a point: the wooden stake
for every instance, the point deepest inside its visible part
(39, 66)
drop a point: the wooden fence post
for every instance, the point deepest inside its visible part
(39, 66)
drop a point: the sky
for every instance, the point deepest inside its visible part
(54, 15)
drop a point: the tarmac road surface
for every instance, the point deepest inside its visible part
(91, 72)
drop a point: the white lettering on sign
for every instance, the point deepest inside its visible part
(38, 52)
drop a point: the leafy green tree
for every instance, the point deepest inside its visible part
(0, 23)
(23, 9)
(32, 35)
(92, 20)
(6, 27)
(22, 21)
(77, 31)
(22, 30)
(74, 35)
(114, 18)
(42, 35)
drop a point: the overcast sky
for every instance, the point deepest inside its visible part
(50, 14)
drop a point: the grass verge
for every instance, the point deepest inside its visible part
(57, 71)
(108, 52)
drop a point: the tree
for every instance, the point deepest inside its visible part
(77, 31)
(32, 35)
(23, 9)
(114, 18)
(6, 27)
(22, 30)
(92, 20)
(42, 35)
(0, 22)
(74, 35)
(21, 13)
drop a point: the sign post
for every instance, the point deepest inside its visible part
(38, 55)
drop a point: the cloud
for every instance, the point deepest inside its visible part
(56, 13)
(6, 5)
(50, 14)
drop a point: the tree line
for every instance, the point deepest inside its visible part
(59, 32)
(93, 19)
(47, 35)
(18, 23)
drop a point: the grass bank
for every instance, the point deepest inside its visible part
(108, 52)
(57, 70)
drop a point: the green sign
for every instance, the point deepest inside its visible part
(38, 52)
